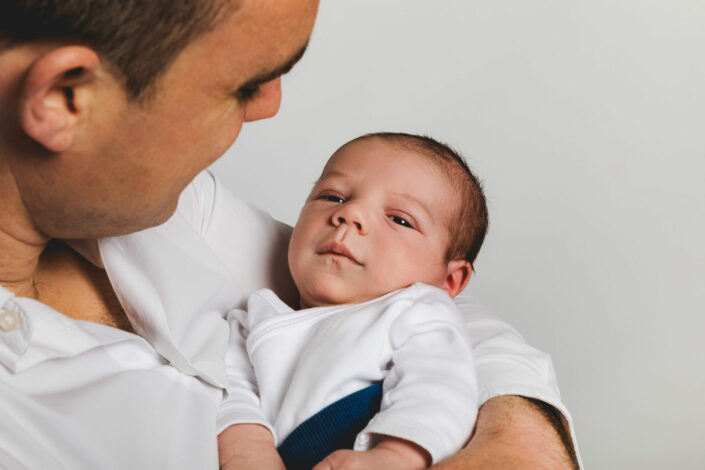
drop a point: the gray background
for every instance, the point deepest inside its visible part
(586, 120)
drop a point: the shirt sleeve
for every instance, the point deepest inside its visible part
(241, 403)
(506, 365)
(430, 394)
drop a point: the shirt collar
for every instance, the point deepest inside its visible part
(33, 332)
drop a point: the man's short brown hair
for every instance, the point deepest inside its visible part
(470, 220)
(138, 38)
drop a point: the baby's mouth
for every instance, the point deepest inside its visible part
(337, 249)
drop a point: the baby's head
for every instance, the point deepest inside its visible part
(389, 210)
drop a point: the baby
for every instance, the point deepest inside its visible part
(385, 239)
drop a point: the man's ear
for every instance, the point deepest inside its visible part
(457, 277)
(52, 98)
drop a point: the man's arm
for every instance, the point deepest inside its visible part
(512, 431)
(517, 433)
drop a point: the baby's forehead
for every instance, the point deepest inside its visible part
(389, 149)
(366, 157)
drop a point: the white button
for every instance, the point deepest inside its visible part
(9, 320)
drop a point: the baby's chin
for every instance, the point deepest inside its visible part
(328, 295)
(328, 298)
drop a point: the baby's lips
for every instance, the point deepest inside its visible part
(337, 248)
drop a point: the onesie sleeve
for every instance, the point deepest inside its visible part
(241, 403)
(430, 394)
(506, 365)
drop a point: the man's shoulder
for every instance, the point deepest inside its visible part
(246, 239)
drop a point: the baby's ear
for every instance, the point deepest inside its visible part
(457, 276)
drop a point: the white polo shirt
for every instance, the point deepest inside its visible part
(77, 394)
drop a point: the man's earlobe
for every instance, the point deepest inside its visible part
(51, 106)
(457, 277)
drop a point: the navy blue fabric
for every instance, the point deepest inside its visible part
(332, 428)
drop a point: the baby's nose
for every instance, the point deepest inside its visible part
(358, 225)
(353, 215)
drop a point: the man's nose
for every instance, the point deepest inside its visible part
(266, 103)
(351, 214)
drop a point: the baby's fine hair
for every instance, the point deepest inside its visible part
(470, 219)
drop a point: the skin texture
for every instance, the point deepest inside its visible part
(389, 454)
(376, 221)
(135, 158)
(248, 447)
(513, 433)
(78, 159)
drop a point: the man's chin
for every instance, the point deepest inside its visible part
(102, 225)
(157, 217)
(163, 215)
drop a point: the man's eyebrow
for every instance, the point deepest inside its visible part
(279, 71)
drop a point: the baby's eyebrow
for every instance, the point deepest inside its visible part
(416, 201)
(332, 174)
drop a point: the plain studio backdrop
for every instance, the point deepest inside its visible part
(586, 121)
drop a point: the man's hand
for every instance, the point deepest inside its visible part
(389, 454)
(515, 433)
(248, 447)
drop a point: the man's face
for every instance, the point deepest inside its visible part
(376, 221)
(137, 157)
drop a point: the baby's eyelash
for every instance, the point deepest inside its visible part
(401, 221)
(332, 198)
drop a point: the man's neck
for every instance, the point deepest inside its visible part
(57, 276)
(31, 265)
(21, 244)
(19, 261)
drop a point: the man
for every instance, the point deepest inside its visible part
(107, 111)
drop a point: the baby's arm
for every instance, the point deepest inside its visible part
(430, 394)
(247, 440)
(248, 446)
(391, 453)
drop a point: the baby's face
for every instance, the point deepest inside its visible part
(375, 222)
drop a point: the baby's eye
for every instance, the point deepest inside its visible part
(399, 220)
(332, 198)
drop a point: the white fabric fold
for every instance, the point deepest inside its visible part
(175, 293)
